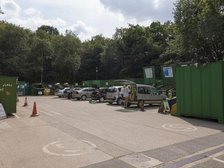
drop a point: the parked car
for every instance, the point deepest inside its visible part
(114, 95)
(99, 95)
(68, 94)
(60, 93)
(83, 94)
(148, 93)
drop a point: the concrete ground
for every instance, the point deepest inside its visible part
(72, 134)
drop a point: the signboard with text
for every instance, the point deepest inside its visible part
(148, 73)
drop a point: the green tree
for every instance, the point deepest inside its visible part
(92, 57)
(66, 53)
(14, 48)
(135, 44)
(200, 26)
(48, 29)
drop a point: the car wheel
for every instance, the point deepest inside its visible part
(83, 97)
(101, 99)
(119, 101)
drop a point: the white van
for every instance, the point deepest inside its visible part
(114, 95)
(148, 93)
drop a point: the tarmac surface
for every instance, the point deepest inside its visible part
(74, 134)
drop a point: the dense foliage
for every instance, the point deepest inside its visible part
(196, 35)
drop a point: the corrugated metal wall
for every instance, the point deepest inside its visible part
(200, 91)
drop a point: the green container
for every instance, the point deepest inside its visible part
(23, 88)
(200, 91)
(37, 89)
(8, 88)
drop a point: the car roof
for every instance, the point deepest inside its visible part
(144, 85)
(116, 87)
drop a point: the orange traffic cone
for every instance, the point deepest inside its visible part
(25, 104)
(34, 113)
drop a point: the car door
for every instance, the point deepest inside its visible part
(141, 93)
(89, 92)
(155, 94)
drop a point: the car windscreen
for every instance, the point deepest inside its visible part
(112, 90)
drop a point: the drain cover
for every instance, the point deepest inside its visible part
(140, 160)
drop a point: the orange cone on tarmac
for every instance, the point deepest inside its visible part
(25, 103)
(34, 113)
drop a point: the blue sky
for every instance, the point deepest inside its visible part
(86, 17)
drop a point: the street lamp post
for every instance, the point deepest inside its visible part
(42, 68)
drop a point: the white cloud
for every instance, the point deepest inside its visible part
(87, 18)
(82, 30)
(10, 7)
(142, 9)
(30, 12)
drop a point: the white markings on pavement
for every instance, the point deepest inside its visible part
(218, 160)
(179, 127)
(50, 113)
(15, 115)
(64, 149)
(140, 160)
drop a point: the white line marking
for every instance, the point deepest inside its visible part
(15, 115)
(179, 127)
(89, 143)
(54, 112)
(57, 144)
(49, 114)
(218, 160)
(45, 149)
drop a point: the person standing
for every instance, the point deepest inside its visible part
(126, 91)
(142, 105)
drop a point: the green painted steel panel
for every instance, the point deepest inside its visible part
(200, 91)
(8, 88)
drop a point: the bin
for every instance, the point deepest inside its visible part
(37, 89)
(8, 88)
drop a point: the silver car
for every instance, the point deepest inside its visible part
(148, 93)
(83, 94)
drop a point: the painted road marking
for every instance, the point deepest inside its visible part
(179, 127)
(140, 160)
(50, 113)
(218, 160)
(15, 115)
(54, 112)
(47, 113)
(58, 148)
